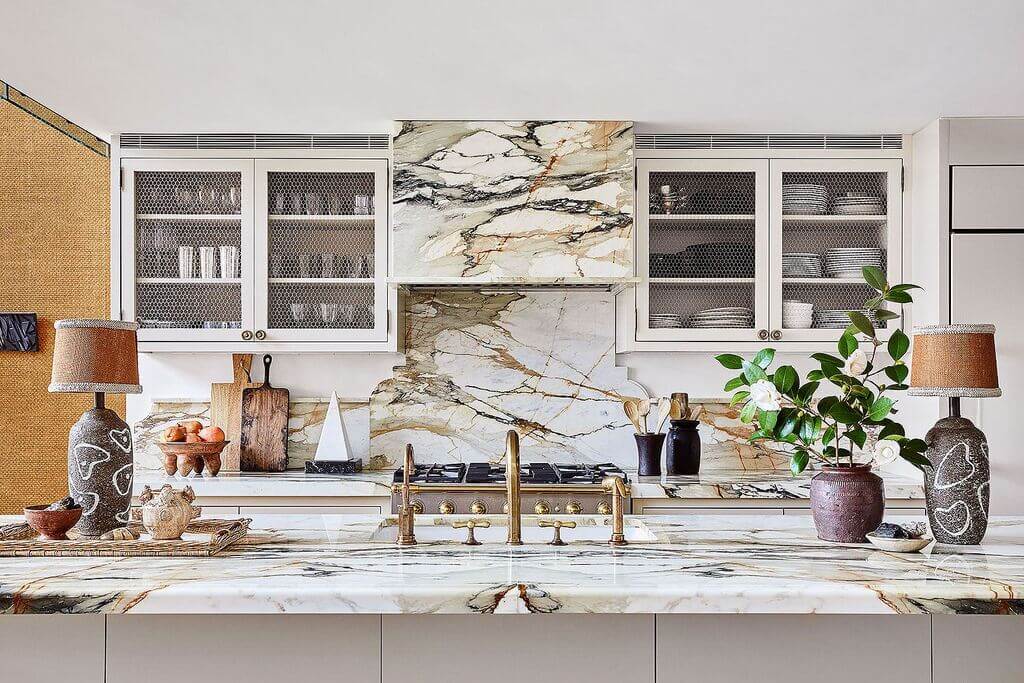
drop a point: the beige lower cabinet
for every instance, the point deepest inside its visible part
(242, 648)
(792, 648)
(987, 649)
(51, 648)
(532, 648)
(309, 510)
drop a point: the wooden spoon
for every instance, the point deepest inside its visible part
(632, 408)
(645, 410)
(683, 401)
(664, 407)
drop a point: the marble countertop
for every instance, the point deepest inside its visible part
(696, 564)
(712, 484)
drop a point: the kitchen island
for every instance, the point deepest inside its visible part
(652, 596)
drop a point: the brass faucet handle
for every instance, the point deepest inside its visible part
(615, 486)
(470, 525)
(557, 526)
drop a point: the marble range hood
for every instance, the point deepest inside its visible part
(524, 204)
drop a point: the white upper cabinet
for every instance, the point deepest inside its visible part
(752, 250)
(256, 254)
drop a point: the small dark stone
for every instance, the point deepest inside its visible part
(66, 503)
(886, 530)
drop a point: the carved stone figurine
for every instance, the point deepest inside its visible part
(165, 515)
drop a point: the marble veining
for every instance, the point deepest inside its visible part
(698, 564)
(479, 364)
(292, 483)
(502, 200)
(305, 422)
(757, 484)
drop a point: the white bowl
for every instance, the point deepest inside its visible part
(899, 545)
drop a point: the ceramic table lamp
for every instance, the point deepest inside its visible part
(956, 361)
(98, 357)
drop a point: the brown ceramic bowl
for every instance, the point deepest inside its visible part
(185, 458)
(52, 525)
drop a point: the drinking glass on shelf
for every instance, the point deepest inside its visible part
(234, 199)
(279, 203)
(329, 313)
(298, 312)
(334, 203)
(276, 265)
(314, 204)
(327, 265)
(296, 202)
(305, 265)
(366, 266)
(207, 263)
(361, 205)
(350, 315)
(228, 262)
(186, 262)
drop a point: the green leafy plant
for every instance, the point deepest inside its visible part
(786, 411)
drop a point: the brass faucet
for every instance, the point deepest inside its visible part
(512, 484)
(406, 512)
(618, 490)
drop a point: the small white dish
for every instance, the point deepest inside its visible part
(899, 545)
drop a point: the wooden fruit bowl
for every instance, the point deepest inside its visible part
(186, 458)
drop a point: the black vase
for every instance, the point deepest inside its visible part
(956, 486)
(683, 451)
(648, 448)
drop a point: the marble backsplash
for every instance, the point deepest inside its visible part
(305, 421)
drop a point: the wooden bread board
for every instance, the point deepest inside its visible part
(226, 408)
(264, 433)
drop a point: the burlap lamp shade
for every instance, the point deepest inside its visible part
(956, 361)
(98, 356)
(95, 355)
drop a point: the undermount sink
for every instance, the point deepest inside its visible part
(589, 529)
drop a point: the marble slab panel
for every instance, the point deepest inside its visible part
(506, 200)
(479, 364)
(305, 421)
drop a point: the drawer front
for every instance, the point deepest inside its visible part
(309, 510)
(988, 197)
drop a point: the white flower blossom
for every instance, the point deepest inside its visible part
(856, 364)
(764, 395)
(886, 451)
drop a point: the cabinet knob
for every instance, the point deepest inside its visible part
(776, 335)
(247, 335)
(261, 335)
(762, 334)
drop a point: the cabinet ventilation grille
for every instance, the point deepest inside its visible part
(758, 141)
(251, 141)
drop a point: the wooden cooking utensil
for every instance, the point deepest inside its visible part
(664, 408)
(632, 408)
(645, 410)
(226, 407)
(684, 405)
(264, 438)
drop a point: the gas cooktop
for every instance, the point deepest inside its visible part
(530, 473)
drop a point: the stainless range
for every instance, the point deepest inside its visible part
(479, 488)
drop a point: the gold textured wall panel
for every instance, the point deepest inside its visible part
(54, 231)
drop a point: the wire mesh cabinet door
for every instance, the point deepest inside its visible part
(186, 256)
(702, 249)
(321, 250)
(830, 218)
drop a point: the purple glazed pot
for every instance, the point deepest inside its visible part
(847, 502)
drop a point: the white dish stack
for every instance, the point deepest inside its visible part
(797, 315)
(848, 262)
(664, 320)
(858, 204)
(801, 264)
(804, 198)
(730, 316)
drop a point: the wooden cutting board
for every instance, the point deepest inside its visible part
(226, 408)
(264, 438)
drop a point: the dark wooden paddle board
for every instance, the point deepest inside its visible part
(264, 437)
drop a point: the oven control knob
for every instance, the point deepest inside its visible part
(604, 508)
(417, 507)
(573, 508)
(541, 508)
(478, 508)
(446, 507)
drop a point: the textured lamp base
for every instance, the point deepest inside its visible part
(957, 484)
(100, 471)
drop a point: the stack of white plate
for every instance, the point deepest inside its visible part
(837, 320)
(731, 316)
(662, 320)
(858, 203)
(797, 315)
(804, 198)
(801, 264)
(847, 262)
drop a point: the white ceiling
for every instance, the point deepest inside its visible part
(855, 66)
